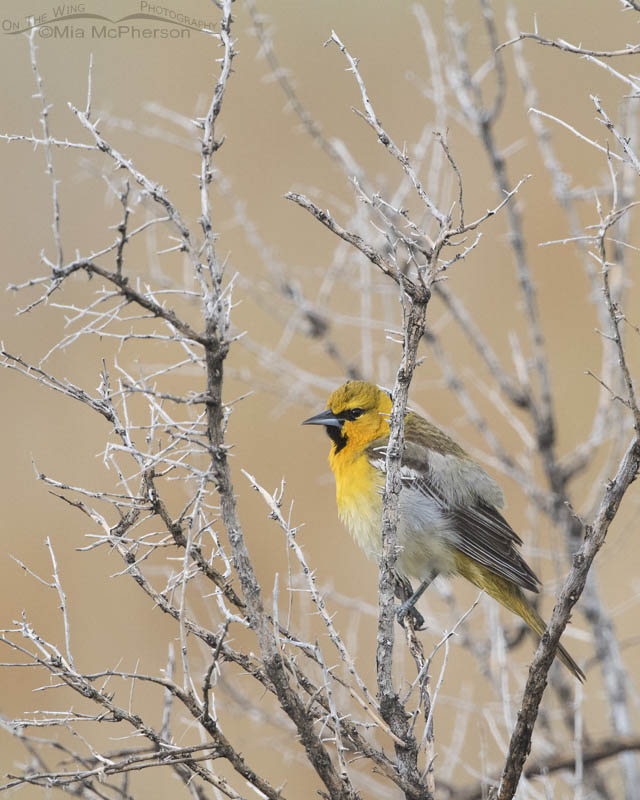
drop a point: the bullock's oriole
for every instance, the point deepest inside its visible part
(449, 519)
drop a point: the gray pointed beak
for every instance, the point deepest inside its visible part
(326, 418)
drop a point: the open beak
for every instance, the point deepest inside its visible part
(326, 418)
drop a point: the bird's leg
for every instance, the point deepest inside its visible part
(403, 592)
(409, 606)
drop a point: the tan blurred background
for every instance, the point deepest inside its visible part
(266, 154)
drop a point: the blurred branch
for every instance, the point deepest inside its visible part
(566, 47)
(558, 762)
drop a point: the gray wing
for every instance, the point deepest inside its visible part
(485, 536)
(467, 497)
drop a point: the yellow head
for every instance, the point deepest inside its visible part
(358, 414)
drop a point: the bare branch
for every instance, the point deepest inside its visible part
(561, 44)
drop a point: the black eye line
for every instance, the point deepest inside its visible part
(349, 414)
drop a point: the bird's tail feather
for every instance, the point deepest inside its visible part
(528, 613)
(511, 597)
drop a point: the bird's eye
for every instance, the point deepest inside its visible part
(354, 413)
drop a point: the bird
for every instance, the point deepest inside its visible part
(449, 507)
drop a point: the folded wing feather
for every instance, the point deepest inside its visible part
(469, 499)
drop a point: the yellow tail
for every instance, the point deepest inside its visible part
(518, 603)
(511, 597)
